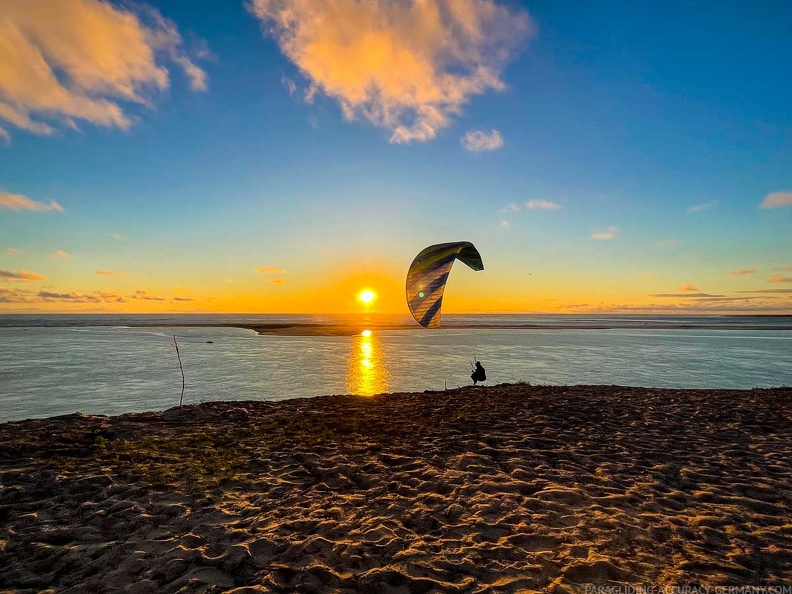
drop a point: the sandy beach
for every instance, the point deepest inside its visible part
(509, 488)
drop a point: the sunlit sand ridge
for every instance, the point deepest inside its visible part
(501, 489)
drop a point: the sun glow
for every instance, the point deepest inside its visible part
(366, 296)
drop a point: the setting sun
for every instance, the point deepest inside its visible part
(366, 296)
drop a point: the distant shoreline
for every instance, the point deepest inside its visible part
(353, 329)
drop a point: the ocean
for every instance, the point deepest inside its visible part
(112, 364)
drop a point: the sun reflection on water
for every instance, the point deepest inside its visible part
(367, 373)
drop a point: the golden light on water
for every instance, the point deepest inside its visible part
(367, 373)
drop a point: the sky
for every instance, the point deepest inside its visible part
(277, 156)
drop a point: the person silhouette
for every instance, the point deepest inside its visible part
(478, 375)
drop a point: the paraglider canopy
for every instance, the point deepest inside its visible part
(428, 274)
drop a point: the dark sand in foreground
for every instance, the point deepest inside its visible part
(501, 489)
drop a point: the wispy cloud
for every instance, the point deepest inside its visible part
(13, 251)
(703, 206)
(783, 268)
(60, 255)
(743, 271)
(669, 243)
(182, 299)
(511, 207)
(14, 295)
(688, 287)
(777, 200)
(116, 237)
(542, 205)
(479, 141)
(55, 69)
(271, 270)
(19, 202)
(778, 278)
(407, 67)
(276, 281)
(605, 235)
(685, 295)
(785, 291)
(144, 296)
(106, 272)
(76, 297)
(21, 276)
(504, 224)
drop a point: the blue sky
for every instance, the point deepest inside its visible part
(645, 139)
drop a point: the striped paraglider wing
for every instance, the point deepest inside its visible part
(427, 276)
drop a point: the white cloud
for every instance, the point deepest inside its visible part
(605, 235)
(511, 207)
(777, 200)
(703, 206)
(541, 205)
(479, 141)
(407, 67)
(504, 224)
(60, 255)
(19, 202)
(62, 61)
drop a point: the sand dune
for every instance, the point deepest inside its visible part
(502, 489)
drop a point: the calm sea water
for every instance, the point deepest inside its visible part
(51, 365)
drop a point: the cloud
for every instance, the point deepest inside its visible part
(12, 251)
(182, 299)
(688, 287)
(116, 237)
(504, 224)
(106, 272)
(777, 200)
(271, 270)
(703, 206)
(777, 278)
(783, 268)
(407, 67)
(511, 207)
(743, 271)
(289, 84)
(143, 295)
(767, 291)
(605, 235)
(685, 295)
(543, 205)
(14, 295)
(75, 297)
(667, 243)
(21, 276)
(19, 202)
(111, 296)
(479, 141)
(276, 281)
(62, 61)
(60, 255)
